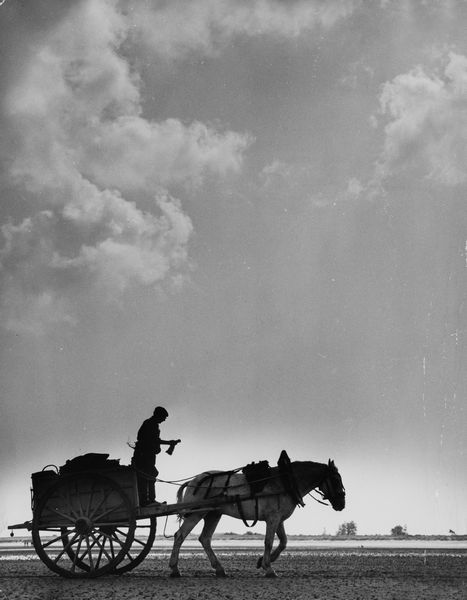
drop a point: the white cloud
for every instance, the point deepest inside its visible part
(75, 108)
(80, 147)
(180, 26)
(131, 152)
(117, 246)
(427, 127)
(131, 247)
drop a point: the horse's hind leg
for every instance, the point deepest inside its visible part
(210, 523)
(189, 522)
(280, 548)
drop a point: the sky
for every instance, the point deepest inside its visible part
(253, 213)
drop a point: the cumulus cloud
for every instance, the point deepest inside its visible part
(131, 246)
(81, 150)
(427, 123)
(180, 26)
(78, 147)
(99, 241)
(131, 152)
(76, 107)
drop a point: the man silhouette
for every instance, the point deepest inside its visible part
(148, 445)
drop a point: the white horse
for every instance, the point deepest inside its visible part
(283, 490)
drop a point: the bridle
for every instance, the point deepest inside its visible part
(326, 488)
(317, 499)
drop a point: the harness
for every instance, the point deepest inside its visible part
(238, 502)
(209, 477)
(257, 475)
(288, 478)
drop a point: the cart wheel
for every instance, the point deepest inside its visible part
(74, 523)
(140, 547)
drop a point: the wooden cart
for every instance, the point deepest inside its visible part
(89, 523)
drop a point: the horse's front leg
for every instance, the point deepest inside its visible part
(188, 523)
(280, 548)
(271, 528)
(210, 523)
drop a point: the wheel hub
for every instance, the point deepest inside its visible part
(83, 526)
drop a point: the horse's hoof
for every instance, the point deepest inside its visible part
(174, 575)
(259, 562)
(271, 575)
(221, 574)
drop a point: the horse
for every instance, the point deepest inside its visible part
(283, 489)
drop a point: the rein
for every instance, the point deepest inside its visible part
(223, 488)
(187, 479)
(317, 499)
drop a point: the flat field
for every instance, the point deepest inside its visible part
(350, 574)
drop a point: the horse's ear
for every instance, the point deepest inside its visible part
(330, 463)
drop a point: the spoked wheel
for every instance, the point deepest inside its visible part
(75, 522)
(141, 545)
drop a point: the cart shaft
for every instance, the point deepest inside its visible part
(26, 525)
(162, 510)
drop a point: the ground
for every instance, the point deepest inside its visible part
(320, 575)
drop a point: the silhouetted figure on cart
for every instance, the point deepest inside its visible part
(148, 445)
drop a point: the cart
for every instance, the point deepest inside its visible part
(88, 523)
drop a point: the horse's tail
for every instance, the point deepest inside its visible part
(180, 492)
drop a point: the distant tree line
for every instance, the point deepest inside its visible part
(349, 528)
(399, 531)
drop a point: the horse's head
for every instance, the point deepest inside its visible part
(332, 487)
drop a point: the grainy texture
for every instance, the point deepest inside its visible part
(322, 575)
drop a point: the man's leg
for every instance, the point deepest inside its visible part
(151, 483)
(151, 490)
(142, 467)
